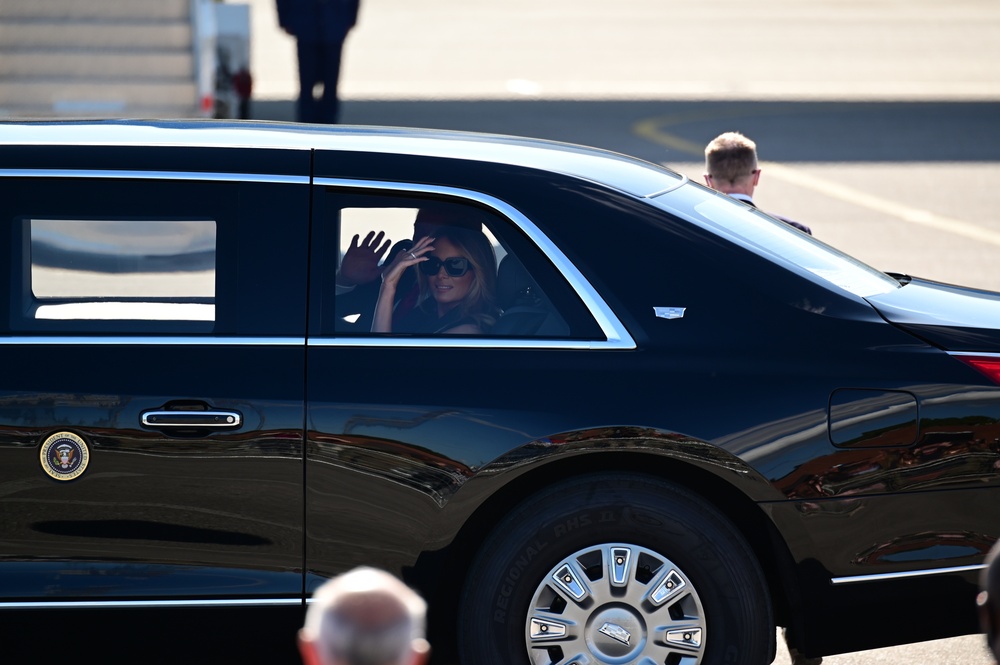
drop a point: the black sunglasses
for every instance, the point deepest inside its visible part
(455, 266)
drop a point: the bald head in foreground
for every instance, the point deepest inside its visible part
(364, 617)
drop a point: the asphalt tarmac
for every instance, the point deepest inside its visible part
(877, 122)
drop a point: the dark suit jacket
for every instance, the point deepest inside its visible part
(318, 20)
(791, 222)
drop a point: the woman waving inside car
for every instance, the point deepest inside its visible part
(457, 278)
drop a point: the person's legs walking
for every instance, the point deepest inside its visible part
(329, 105)
(309, 74)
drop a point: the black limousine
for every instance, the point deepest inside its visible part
(593, 411)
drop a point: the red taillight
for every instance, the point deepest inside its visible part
(989, 366)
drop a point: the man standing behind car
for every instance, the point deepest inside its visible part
(731, 168)
(320, 28)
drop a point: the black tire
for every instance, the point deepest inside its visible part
(710, 595)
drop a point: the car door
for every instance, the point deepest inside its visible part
(398, 422)
(151, 401)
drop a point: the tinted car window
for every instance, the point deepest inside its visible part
(142, 269)
(109, 255)
(776, 240)
(530, 297)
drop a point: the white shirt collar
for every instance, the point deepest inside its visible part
(742, 197)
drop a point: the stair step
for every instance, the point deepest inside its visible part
(96, 66)
(68, 95)
(99, 111)
(37, 34)
(97, 58)
(103, 10)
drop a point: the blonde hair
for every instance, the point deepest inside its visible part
(730, 156)
(480, 304)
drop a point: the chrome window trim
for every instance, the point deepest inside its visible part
(616, 335)
(452, 342)
(145, 340)
(974, 354)
(132, 604)
(683, 181)
(156, 175)
(192, 340)
(881, 577)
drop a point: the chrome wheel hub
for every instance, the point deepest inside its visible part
(615, 603)
(615, 632)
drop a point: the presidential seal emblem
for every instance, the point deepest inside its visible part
(64, 456)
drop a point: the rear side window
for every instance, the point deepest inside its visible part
(126, 255)
(120, 270)
(136, 253)
(774, 239)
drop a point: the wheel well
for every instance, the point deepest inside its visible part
(759, 532)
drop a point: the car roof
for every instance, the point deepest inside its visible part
(621, 172)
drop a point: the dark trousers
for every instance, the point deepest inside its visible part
(319, 62)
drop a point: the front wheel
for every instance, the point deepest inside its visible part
(615, 569)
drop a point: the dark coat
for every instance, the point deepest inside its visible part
(791, 222)
(318, 20)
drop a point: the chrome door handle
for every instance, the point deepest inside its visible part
(212, 419)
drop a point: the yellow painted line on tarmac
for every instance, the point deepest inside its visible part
(652, 129)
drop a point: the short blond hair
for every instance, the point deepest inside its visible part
(730, 156)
